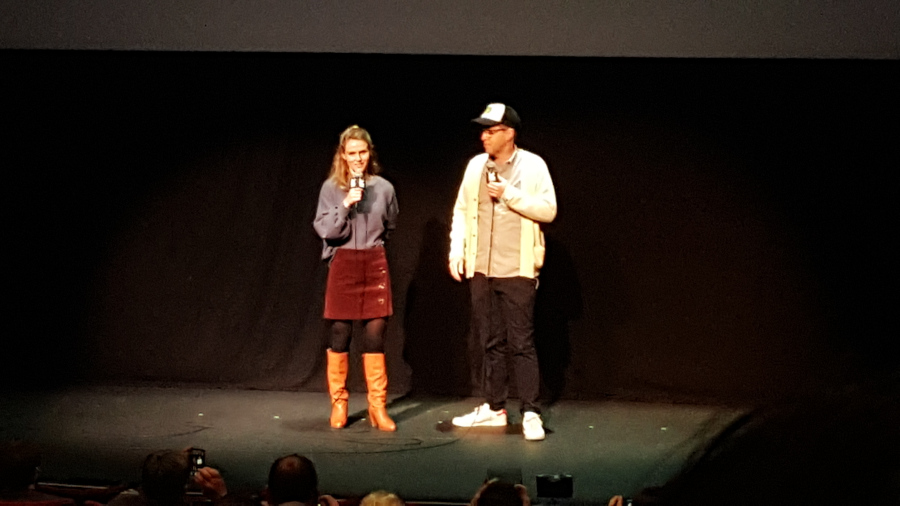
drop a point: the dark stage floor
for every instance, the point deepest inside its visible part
(609, 447)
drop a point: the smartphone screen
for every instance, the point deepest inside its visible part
(198, 459)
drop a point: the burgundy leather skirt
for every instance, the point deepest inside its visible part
(359, 285)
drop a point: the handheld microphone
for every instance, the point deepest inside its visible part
(358, 182)
(490, 174)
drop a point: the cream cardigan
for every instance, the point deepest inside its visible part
(529, 193)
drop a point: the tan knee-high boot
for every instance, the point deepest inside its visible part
(376, 380)
(337, 388)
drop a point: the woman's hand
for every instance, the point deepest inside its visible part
(353, 196)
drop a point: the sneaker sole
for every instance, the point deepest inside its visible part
(481, 424)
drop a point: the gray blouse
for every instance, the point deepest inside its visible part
(366, 224)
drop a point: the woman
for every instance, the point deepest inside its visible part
(357, 210)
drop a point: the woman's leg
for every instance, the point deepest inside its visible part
(373, 338)
(341, 331)
(337, 372)
(376, 374)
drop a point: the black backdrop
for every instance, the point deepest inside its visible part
(724, 226)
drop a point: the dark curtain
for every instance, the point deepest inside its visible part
(721, 232)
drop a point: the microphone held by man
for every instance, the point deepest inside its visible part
(495, 184)
(490, 172)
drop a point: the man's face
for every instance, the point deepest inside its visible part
(356, 154)
(496, 139)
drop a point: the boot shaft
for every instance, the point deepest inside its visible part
(338, 365)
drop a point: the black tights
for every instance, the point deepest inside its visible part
(373, 337)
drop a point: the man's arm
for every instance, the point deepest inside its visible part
(537, 202)
(458, 232)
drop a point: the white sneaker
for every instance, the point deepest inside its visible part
(532, 426)
(483, 416)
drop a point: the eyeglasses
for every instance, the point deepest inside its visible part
(491, 131)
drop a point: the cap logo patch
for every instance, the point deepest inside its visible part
(494, 112)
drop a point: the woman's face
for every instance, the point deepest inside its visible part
(356, 154)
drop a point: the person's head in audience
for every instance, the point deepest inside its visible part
(497, 492)
(835, 451)
(239, 499)
(381, 498)
(19, 463)
(293, 478)
(164, 475)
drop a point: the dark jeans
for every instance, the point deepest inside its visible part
(503, 322)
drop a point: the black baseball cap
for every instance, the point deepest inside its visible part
(499, 114)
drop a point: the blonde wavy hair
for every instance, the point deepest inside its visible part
(381, 498)
(340, 172)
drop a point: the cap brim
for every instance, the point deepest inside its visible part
(485, 121)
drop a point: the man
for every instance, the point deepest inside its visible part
(500, 493)
(496, 242)
(164, 475)
(293, 481)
